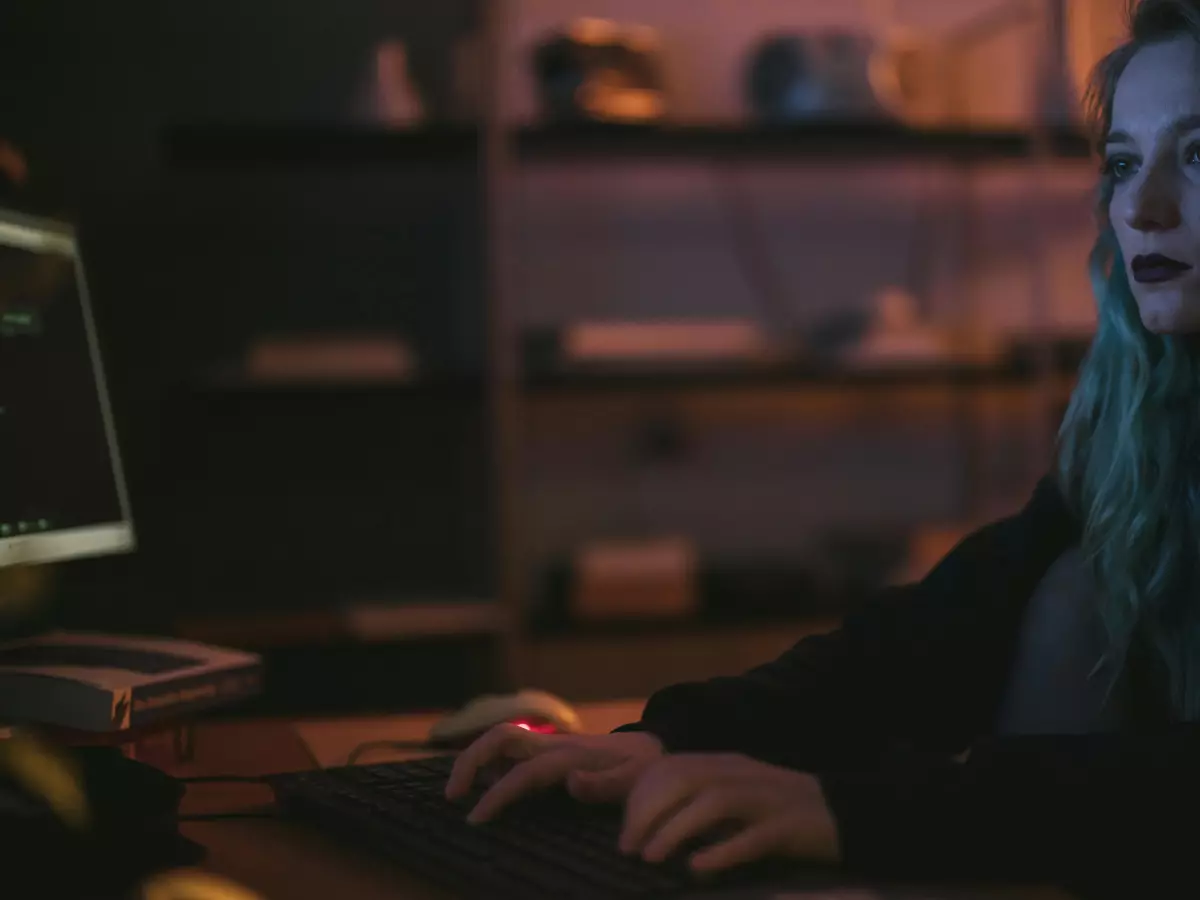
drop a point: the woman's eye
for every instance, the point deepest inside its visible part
(1192, 156)
(1119, 167)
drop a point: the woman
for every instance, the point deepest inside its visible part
(1028, 710)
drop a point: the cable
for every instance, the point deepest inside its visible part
(751, 251)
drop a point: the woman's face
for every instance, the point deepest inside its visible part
(1153, 155)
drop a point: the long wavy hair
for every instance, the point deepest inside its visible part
(1127, 452)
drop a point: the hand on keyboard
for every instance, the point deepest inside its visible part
(761, 811)
(595, 768)
(549, 845)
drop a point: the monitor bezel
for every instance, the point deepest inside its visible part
(102, 538)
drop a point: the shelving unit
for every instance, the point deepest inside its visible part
(544, 374)
(1040, 368)
(217, 146)
(516, 377)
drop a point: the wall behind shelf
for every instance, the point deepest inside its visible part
(645, 240)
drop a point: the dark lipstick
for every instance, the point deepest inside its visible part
(1154, 267)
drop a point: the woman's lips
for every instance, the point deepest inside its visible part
(1153, 268)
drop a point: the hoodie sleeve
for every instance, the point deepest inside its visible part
(1105, 815)
(923, 664)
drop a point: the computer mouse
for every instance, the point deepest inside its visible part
(535, 710)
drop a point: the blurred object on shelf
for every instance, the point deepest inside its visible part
(895, 335)
(602, 72)
(329, 358)
(917, 70)
(890, 334)
(827, 74)
(392, 99)
(934, 74)
(635, 579)
(694, 340)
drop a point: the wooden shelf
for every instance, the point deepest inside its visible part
(834, 140)
(547, 372)
(800, 377)
(282, 146)
(240, 146)
(248, 385)
(540, 377)
(584, 380)
(234, 382)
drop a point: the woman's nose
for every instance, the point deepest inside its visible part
(1155, 203)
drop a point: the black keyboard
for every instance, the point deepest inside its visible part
(547, 846)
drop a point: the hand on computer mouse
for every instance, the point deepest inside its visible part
(595, 768)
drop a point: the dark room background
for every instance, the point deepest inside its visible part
(230, 188)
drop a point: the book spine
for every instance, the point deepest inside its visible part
(153, 703)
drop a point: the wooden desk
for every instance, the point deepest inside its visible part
(286, 861)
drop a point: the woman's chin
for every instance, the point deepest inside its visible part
(1169, 313)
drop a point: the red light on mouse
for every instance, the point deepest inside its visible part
(536, 726)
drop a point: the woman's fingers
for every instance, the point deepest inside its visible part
(658, 793)
(542, 771)
(502, 742)
(699, 816)
(752, 843)
(608, 785)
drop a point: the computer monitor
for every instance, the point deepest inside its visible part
(62, 491)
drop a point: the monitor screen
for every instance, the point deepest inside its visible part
(62, 494)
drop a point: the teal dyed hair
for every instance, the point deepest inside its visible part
(1127, 447)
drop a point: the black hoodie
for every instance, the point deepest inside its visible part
(880, 708)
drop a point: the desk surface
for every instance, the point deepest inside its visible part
(286, 861)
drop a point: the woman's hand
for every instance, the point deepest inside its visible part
(776, 812)
(598, 768)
